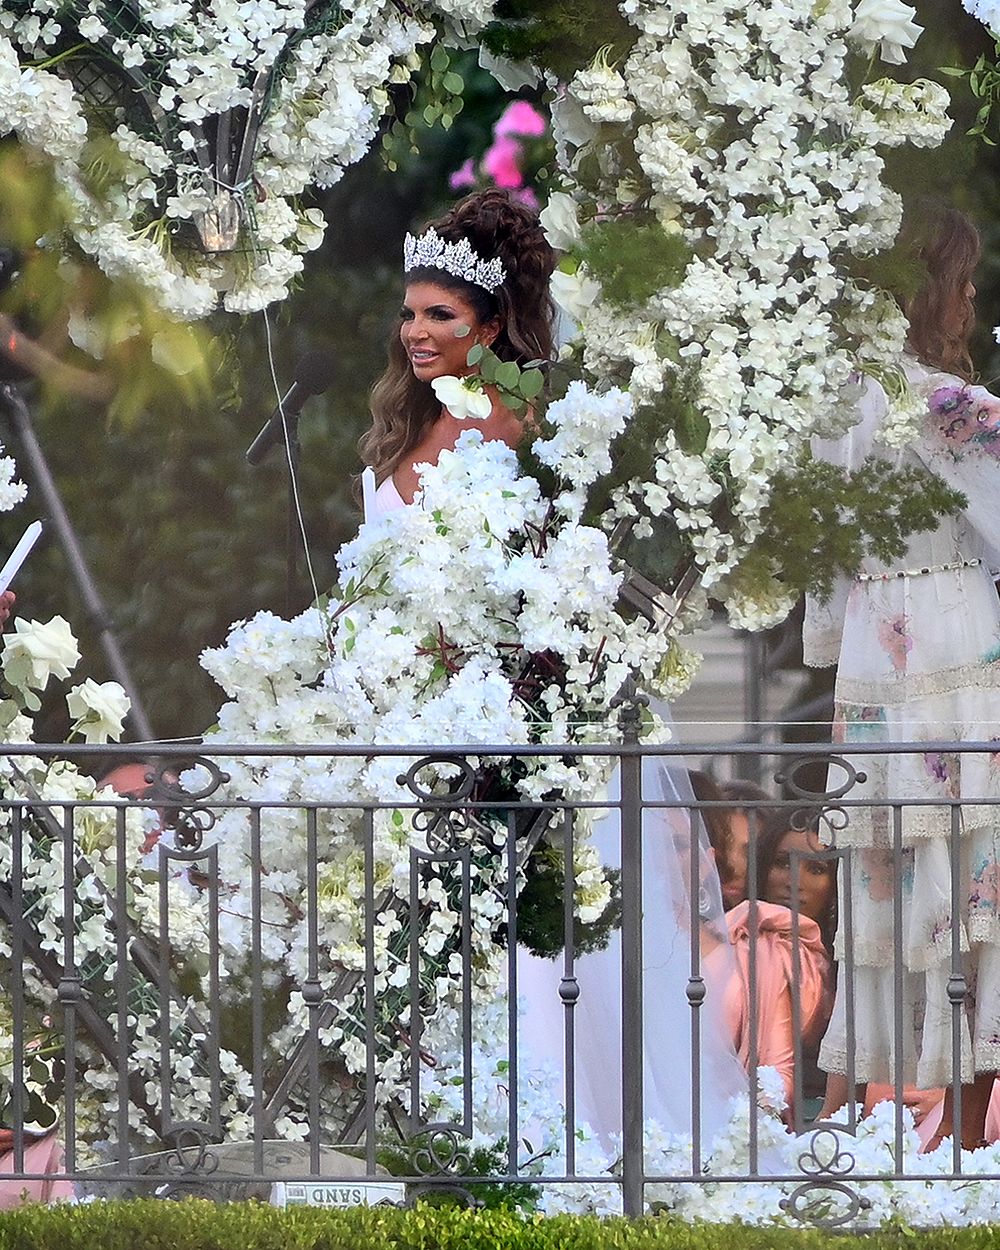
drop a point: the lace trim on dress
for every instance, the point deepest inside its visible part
(878, 1068)
(904, 687)
(874, 826)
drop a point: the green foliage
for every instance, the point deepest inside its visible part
(634, 258)
(894, 269)
(984, 83)
(482, 1161)
(519, 388)
(820, 522)
(198, 1225)
(435, 99)
(541, 914)
(558, 35)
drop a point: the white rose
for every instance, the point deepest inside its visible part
(888, 23)
(461, 400)
(558, 220)
(99, 709)
(574, 292)
(35, 652)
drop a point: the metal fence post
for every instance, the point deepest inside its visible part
(633, 1161)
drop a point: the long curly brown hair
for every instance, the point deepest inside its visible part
(941, 315)
(403, 407)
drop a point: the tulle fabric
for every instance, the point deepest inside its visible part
(690, 1068)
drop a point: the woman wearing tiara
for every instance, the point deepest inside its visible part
(480, 274)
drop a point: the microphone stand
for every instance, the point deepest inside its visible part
(16, 410)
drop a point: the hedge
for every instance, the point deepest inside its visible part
(201, 1225)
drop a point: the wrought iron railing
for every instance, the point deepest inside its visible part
(251, 1058)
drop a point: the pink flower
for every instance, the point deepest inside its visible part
(520, 118)
(464, 177)
(894, 640)
(501, 162)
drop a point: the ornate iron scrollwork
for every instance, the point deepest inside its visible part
(178, 805)
(190, 1153)
(442, 819)
(439, 1152)
(825, 1200)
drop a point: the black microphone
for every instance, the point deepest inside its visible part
(312, 377)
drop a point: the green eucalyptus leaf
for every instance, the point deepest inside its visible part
(508, 375)
(475, 353)
(532, 381)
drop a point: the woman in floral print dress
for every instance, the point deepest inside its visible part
(917, 645)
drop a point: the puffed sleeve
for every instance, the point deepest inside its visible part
(960, 443)
(823, 625)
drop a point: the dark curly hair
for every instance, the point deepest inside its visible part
(403, 407)
(941, 315)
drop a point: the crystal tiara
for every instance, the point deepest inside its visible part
(432, 251)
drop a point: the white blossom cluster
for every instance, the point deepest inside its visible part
(105, 835)
(320, 88)
(485, 614)
(756, 151)
(927, 1201)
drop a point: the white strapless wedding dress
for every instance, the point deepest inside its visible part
(672, 1029)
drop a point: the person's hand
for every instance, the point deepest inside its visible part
(922, 1102)
(6, 605)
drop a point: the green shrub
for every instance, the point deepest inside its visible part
(199, 1225)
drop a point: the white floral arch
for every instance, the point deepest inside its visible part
(734, 147)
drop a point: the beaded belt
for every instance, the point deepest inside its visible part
(928, 568)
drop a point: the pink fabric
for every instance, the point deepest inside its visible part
(40, 1155)
(928, 1126)
(991, 1132)
(775, 970)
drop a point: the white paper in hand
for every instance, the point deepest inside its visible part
(20, 553)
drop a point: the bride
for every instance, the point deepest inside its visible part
(480, 275)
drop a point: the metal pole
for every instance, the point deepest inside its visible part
(633, 1161)
(12, 402)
